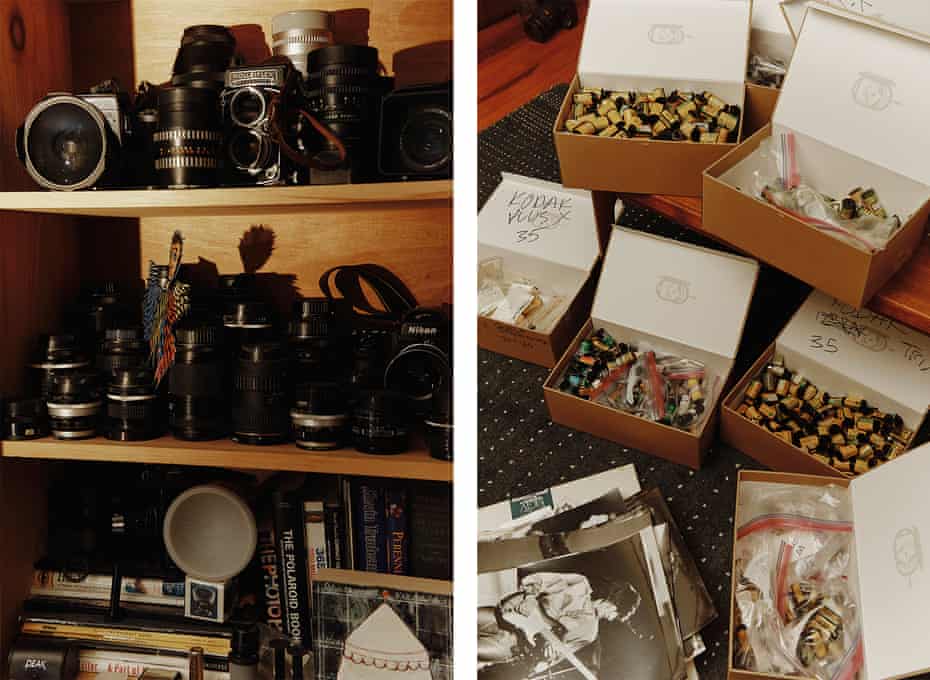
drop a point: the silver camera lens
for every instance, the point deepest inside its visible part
(296, 34)
(248, 108)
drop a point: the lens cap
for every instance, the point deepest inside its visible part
(66, 143)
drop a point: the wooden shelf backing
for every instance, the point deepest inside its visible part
(416, 464)
(224, 201)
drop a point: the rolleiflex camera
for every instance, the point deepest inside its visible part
(71, 142)
(258, 104)
(416, 133)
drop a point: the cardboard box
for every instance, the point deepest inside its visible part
(641, 45)
(550, 235)
(861, 129)
(903, 13)
(770, 37)
(678, 298)
(842, 350)
(889, 514)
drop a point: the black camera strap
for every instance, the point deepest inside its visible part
(346, 281)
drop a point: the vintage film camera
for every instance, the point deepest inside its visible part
(78, 141)
(259, 105)
(416, 133)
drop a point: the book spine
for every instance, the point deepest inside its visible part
(370, 546)
(430, 525)
(348, 525)
(267, 553)
(99, 653)
(315, 537)
(100, 583)
(292, 560)
(133, 665)
(335, 537)
(146, 639)
(96, 595)
(398, 538)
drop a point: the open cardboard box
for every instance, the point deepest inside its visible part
(679, 299)
(909, 14)
(842, 350)
(853, 128)
(889, 509)
(642, 45)
(548, 234)
(770, 37)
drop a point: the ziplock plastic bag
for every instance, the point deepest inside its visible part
(798, 613)
(779, 182)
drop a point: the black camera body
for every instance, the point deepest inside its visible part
(253, 96)
(416, 133)
(70, 142)
(542, 19)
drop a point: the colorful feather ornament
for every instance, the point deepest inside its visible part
(166, 302)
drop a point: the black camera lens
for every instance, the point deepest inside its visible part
(247, 107)
(380, 422)
(66, 143)
(246, 323)
(196, 384)
(422, 365)
(188, 143)
(122, 349)
(74, 405)
(320, 416)
(260, 399)
(249, 150)
(316, 342)
(542, 18)
(134, 411)
(206, 52)
(438, 424)
(345, 93)
(426, 140)
(55, 355)
(25, 419)
(371, 352)
(100, 307)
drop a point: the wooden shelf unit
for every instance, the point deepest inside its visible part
(415, 464)
(249, 201)
(52, 242)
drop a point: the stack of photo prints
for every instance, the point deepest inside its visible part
(580, 579)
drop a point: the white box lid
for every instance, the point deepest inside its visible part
(891, 518)
(860, 86)
(691, 295)
(910, 14)
(541, 220)
(689, 40)
(864, 350)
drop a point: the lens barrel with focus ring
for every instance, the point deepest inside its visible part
(320, 416)
(206, 52)
(74, 405)
(199, 408)
(344, 92)
(296, 34)
(188, 143)
(122, 349)
(25, 419)
(55, 355)
(134, 410)
(260, 395)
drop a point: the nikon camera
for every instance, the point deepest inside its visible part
(259, 103)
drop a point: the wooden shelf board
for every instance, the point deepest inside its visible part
(222, 201)
(416, 464)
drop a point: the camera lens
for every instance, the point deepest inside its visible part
(372, 349)
(74, 405)
(25, 419)
(134, 411)
(426, 140)
(259, 409)
(320, 416)
(345, 93)
(380, 421)
(189, 138)
(248, 150)
(422, 366)
(246, 323)
(247, 107)
(205, 54)
(315, 341)
(439, 424)
(122, 349)
(55, 355)
(100, 307)
(196, 384)
(66, 143)
(296, 34)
